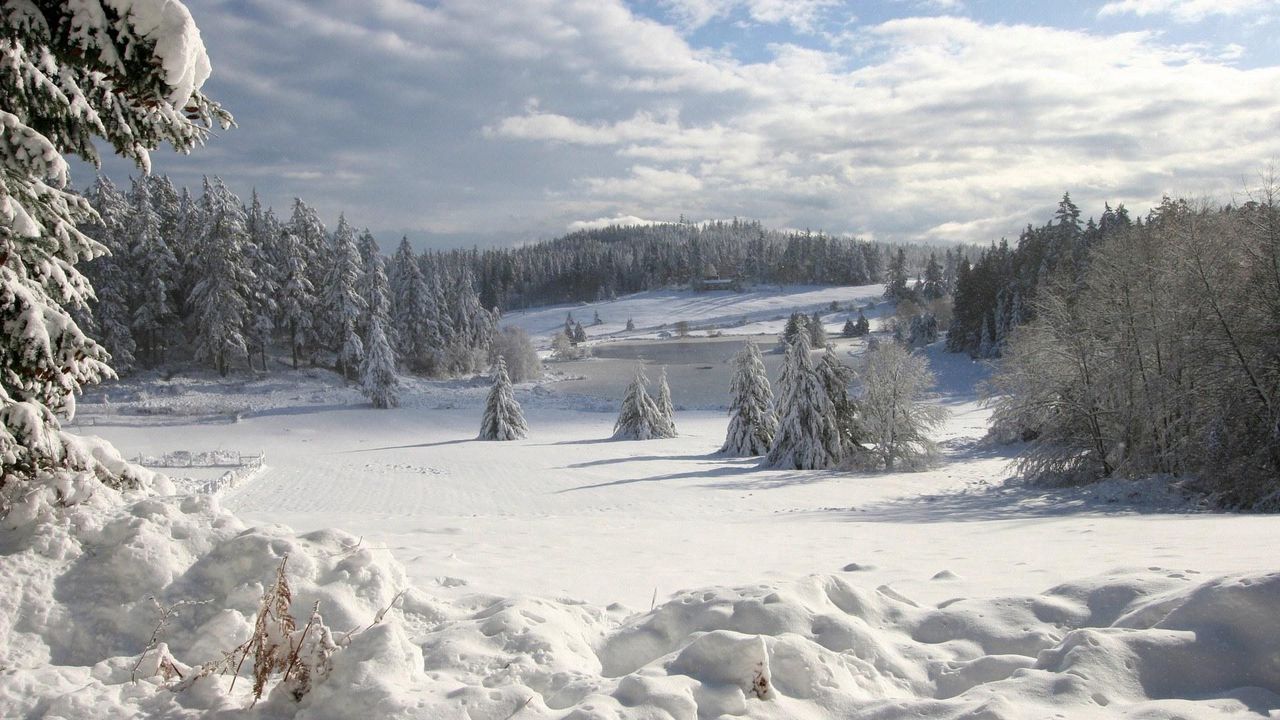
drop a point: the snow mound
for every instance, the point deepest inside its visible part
(83, 637)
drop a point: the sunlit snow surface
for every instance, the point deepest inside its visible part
(946, 593)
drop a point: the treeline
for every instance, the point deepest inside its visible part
(592, 265)
(998, 292)
(210, 278)
(1138, 347)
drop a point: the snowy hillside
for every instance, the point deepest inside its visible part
(570, 576)
(755, 311)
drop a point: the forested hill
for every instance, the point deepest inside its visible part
(594, 264)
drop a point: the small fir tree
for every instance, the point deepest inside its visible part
(639, 418)
(378, 379)
(752, 422)
(817, 333)
(850, 329)
(862, 326)
(503, 419)
(808, 437)
(665, 407)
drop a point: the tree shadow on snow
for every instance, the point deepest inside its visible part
(720, 471)
(1012, 500)
(460, 441)
(777, 478)
(589, 441)
(641, 458)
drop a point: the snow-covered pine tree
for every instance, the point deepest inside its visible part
(862, 326)
(503, 419)
(262, 230)
(73, 71)
(343, 305)
(579, 333)
(110, 319)
(297, 297)
(933, 287)
(218, 300)
(374, 287)
(304, 224)
(378, 379)
(639, 418)
(415, 315)
(796, 322)
(896, 287)
(817, 333)
(849, 330)
(154, 268)
(596, 320)
(808, 437)
(666, 409)
(752, 423)
(631, 325)
(835, 379)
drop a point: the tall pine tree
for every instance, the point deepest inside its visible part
(343, 305)
(752, 423)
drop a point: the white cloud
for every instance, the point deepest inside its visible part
(1186, 11)
(934, 127)
(800, 14)
(619, 220)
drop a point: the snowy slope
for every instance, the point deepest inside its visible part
(531, 567)
(760, 310)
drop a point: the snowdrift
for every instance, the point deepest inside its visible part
(78, 621)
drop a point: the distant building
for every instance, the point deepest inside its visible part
(711, 280)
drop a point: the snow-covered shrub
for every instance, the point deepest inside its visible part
(515, 348)
(894, 412)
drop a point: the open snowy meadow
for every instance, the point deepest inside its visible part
(948, 592)
(625, 360)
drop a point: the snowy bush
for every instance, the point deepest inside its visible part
(515, 348)
(894, 409)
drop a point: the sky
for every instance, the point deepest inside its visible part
(485, 122)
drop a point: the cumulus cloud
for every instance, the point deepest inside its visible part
(522, 119)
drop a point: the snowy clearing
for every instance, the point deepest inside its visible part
(534, 563)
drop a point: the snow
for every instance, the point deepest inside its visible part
(566, 575)
(764, 310)
(178, 44)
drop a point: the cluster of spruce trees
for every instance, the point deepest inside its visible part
(209, 278)
(1148, 347)
(816, 421)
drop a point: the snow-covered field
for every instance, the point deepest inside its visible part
(568, 575)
